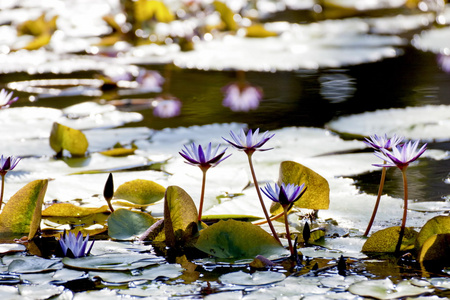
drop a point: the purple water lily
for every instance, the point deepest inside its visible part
(166, 108)
(74, 246)
(6, 164)
(204, 159)
(6, 99)
(242, 97)
(284, 194)
(378, 143)
(383, 142)
(251, 141)
(400, 156)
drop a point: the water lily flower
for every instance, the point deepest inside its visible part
(383, 142)
(444, 62)
(74, 246)
(400, 156)
(204, 159)
(6, 99)
(150, 80)
(241, 97)
(285, 195)
(6, 164)
(378, 143)
(166, 108)
(249, 142)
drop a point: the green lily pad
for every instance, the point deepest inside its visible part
(385, 240)
(386, 289)
(125, 224)
(436, 225)
(113, 262)
(238, 240)
(256, 278)
(141, 192)
(31, 264)
(22, 213)
(436, 249)
(180, 217)
(317, 193)
(66, 138)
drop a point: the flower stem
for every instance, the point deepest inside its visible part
(377, 203)
(405, 211)
(202, 195)
(3, 188)
(288, 234)
(274, 233)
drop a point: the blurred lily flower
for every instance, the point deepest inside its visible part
(74, 246)
(6, 99)
(240, 97)
(444, 62)
(383, 142)
(166, 108)
(204, 159)
(251, 141)
(284, 194)
(150, 80)
(8, 163)
(400, 156)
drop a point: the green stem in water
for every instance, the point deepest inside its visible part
(202, 195)
(288, 234)
(405, 211)
(269, 222)
(377, 203)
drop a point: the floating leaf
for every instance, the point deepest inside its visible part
(38, 42)
(385, 241)
(71, 210)
(259, 31)
(125, 224)
(113, 261)
(386, 289)
(141, 192)
(436, 248)
(256, 278)
(166, 270)
(42, 291)
(22, 213)
(227, 15)
(238, 240)
(180, 216)
(145, 10)
(317, 193)
(436, 225)
(66, 138)
(118, 152)
(9, 248)
(31, 264)
(38, 26)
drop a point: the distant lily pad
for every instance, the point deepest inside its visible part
(386, 289)
(140, 191)
(385, 240)
(113, 262)
(27, 265)
(257, 278)
(165, 270)
(66, 138)
(125, 224)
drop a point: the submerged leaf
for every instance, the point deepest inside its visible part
(385, 241)
(22, 213)
(66, 138)
(125, 224)
(238, 240)
(317, 193)
(180, 216)
(139, 191)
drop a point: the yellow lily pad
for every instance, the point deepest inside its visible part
(259, 31)
(317, 193)
(227, 15)
(436, 225)
(22, 213)
(119, 152)
(140, 191)
(66, 138)
(385, 240)
(436, 249)
(145, 10)
(124, 224)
